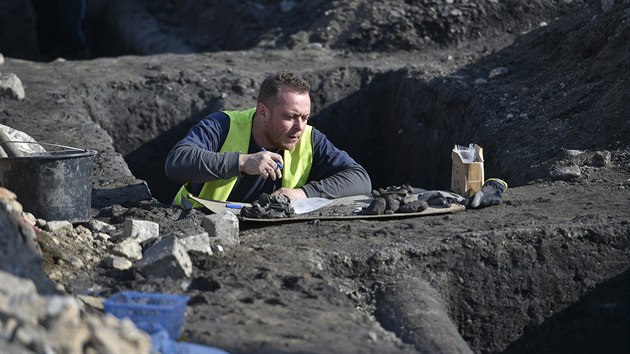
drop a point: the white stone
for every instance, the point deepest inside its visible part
(480, 81)
(129, 248)
(197, 243)
(223, 226)
(565, 173)
(166, 258)
(11, 285)
(11, 86)
(1, 59)
(41, 223)
(141, 230)
(102, 237)
(30, 218)
(99, 226)
(76, 262)
(115, 262)
(55, 226)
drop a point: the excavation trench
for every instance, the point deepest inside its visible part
(400, 128)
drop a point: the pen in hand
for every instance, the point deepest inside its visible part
(277, 162)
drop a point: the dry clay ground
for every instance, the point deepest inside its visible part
(545, 271)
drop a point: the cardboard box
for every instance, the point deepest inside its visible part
(467, 172)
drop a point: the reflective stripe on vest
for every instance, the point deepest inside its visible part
(296, 167)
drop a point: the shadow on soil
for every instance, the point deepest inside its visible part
(598, 323)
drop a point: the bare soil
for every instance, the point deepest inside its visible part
(395, 85)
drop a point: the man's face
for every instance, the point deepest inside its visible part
(285, 118)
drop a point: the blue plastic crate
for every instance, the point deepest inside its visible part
(149, 309)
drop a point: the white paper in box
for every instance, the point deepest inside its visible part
(467, 173)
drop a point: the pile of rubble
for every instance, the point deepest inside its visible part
(48, 322)
(139, 247)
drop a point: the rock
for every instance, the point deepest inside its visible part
(480, 81)
(6, 195)
(1, 59)
(92, 302)
(10, 285)
(497, 72)
(83, 233)
(110, 335)
(57, 324)
(565, 173)
(11, 86)
(56, 226)
(141, 230)
(376, 207)
(115, 262)
(315, 46)
(99, 226)
(102, 237)
(129, 248)
(575, 157)
(41, 223)
(199, 243)
(456, 12)
(166, 258)
(391, 204)
(223, 226)
(75, 261)
(30, 218)
(601, 158)
(55, 275)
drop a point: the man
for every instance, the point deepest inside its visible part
(239, 155)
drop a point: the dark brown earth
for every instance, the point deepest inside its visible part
(394, 85)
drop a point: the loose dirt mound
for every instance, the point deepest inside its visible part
(212, 25)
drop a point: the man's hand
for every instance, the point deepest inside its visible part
(292, 194)
(262, 163)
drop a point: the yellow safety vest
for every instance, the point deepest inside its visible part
(296, 167)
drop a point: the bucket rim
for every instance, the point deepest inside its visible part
(68, 153)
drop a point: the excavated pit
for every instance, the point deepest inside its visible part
(417, 124)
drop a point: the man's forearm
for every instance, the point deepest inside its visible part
(186, 163)
(351, 181)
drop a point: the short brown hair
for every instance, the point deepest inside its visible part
(271, 85)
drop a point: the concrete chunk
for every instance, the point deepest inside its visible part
(141, 230)
(11, 285)
(199, 243)
(115, 262)
(601, 158)
(223, 226)
(98, 226)
(11, 86)
(129, 248)
(166, 258)
(54, 226)
(565, 173)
